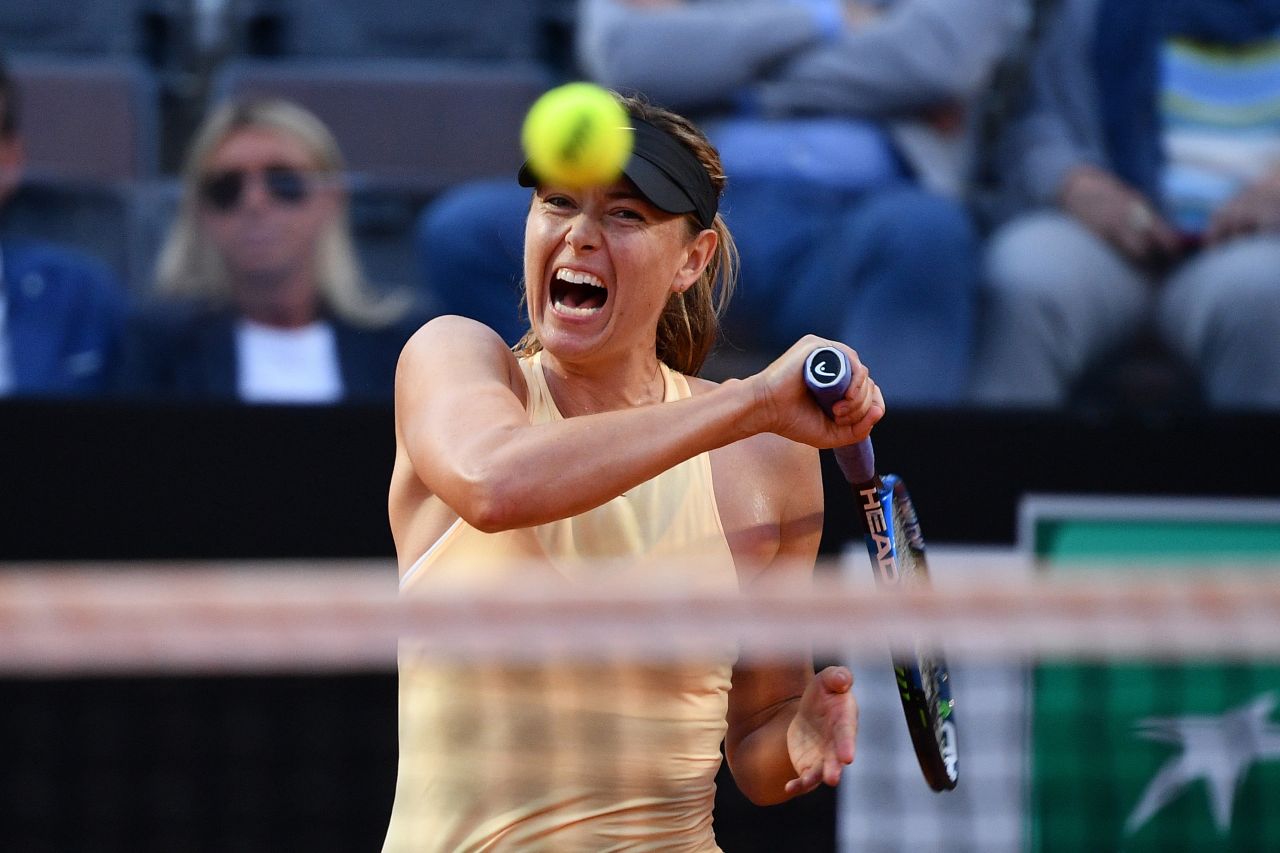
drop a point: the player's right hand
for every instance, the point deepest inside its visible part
(785, 406)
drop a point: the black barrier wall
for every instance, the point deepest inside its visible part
(111, 482)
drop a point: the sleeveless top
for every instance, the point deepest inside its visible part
(619, 755)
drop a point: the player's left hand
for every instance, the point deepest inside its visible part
(821, 736)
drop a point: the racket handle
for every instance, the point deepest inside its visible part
(827, 372)
(857, 461)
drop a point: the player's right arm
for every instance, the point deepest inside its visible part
(462, 423)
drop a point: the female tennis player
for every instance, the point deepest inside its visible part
(592, 448)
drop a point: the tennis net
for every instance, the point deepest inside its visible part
(252, 706)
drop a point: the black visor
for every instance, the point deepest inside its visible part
(667, 174)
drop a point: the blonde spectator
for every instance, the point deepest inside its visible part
(261, 295)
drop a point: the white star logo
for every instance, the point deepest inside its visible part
(1218, 748)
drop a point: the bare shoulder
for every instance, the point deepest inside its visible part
(451, 333)
(455, 348)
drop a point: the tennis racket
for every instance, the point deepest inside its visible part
(896, 546)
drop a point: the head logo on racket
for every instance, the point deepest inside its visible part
(826, 368)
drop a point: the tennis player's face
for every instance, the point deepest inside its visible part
(600, 264)
(262, 206)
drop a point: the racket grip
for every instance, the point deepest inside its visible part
(827, 373)
(857, 461)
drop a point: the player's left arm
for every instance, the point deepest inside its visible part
(789, 730)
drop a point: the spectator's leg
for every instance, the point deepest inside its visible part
(470, 242)
(897, 280)
(1221, 311)
(1055, 298)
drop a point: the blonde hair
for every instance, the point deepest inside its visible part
(690, 323)
(191, 266)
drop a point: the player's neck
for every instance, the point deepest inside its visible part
(581, 390)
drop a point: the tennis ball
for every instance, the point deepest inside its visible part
(577, 135)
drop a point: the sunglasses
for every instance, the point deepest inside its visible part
(223, 191)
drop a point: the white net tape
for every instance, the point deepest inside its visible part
(255, 617)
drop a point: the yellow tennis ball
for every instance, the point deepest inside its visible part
(577, 135)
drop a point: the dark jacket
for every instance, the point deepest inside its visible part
(64, 316)
(185, 351)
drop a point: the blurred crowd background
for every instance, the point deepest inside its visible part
(1049, 204)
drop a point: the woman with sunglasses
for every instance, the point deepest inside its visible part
(594, 449)
(262, 298)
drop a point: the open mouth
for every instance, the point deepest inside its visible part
(577, 293)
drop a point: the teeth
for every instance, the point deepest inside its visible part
(577, 312)
(579, 277)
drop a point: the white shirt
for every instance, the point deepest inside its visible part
(287, 365)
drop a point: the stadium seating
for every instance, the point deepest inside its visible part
(492, 30)
(81, 27)
(90, 118)
(419, 124)
(91, 131)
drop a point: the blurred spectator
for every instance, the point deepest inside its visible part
(844, 129)
(262, 295)
(60, 312)
(1148, 168)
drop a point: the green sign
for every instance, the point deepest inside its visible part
(1154, 756)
